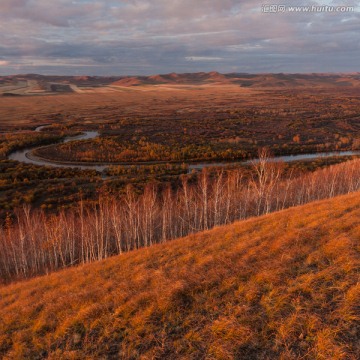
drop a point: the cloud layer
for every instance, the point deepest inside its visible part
(159, 36)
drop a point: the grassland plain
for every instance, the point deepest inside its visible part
(282, 286)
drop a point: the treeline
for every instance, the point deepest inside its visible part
(35, 243)
(112, 150)
(17, 141)
(49, 187)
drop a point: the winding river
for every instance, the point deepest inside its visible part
(26, 156)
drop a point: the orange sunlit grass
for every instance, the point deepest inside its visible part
(285, 285)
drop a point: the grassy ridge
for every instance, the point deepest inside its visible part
(284, 286)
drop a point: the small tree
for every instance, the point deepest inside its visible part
(265, 177)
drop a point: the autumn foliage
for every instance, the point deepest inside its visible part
(36, 243)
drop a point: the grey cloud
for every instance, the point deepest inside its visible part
(8, 5)
(151, 36)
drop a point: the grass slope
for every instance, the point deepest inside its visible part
(283, 286)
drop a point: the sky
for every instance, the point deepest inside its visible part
(143, 37)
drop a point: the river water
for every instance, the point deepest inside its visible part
(25, 156)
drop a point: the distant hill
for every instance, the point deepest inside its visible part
(285, 285)
(280, 80)
(245, 80)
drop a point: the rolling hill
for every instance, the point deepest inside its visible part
(33, 84)
(282, 286)
(245, 80)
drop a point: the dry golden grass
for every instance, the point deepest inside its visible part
(97, 106)
(282, 286)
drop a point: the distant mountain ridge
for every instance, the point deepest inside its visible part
(202, 78)
(34, 84)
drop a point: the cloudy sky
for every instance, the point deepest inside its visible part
(111, 37)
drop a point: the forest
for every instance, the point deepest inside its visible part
(298, 124)
(33, 242)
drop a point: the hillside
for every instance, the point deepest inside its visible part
(259, 81)
(33, 84)
(285, 285)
